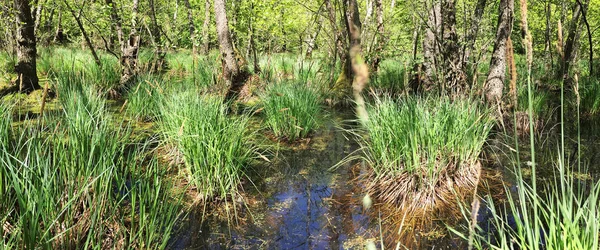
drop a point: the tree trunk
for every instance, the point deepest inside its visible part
(360, 71)
(454, 76)
(129, 56)
(59, 36)
(38, 14)
(191, 26)
(232, 74)
(381, 33)
(430, 46)
(205, 38)
(353, 27)
(494, 84)
(548, 37)
(368, 15)
(471, 37)
(116, 23)
(84, 34)
(337, 48)
(312, 39)
(569, 47)
(27, 79)
(158, 62)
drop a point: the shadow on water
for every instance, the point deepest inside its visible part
(301, 204)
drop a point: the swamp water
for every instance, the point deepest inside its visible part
(300, 204)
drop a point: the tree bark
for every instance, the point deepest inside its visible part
(569, 47)
(353, 27)
(494, 84)
(360, 71)
(191, 26)
(548, 37)
(205, 38)
(116, 22)
(312, 39)
(454, 76)
(431, 47)
(129, 56)
(232, 74)
(59, 35)
(158, 63)
(38, 14)
(471, 37)
(27, 79)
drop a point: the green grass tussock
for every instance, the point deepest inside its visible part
(216, 147)
(77, 182)
(145, 99)
(419, 149)
(292, 110)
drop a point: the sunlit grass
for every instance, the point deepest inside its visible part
(216, 148)
(75, 181)
(421, 149)
(292, 110)
(145, 98)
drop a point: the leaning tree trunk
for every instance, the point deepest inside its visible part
(205, 38)
(129, 53)
(570, 44)
(84, 34)
(589, 35)
(494, 84)
(232, 73)
(27, 79)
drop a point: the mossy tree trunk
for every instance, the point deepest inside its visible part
(233, 75)
(431, 47)
(129, 53)
(27, 79)
(494, 84)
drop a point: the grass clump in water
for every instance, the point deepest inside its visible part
(292, 110)
(144, 100)
(216, 147)
(420, 150)
(73, 181)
